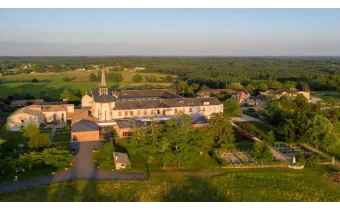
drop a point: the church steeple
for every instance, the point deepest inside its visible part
(102, 86)
(103, 80)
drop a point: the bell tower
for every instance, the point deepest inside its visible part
(103, 88)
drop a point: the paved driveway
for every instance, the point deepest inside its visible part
(82, 169)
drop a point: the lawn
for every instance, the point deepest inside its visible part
(230, 185)
(61, 136)
(262, 130)
(53, 84)
(104, 166)
(33, 173)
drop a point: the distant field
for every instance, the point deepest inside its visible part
(331, 97)
(53, 84)
(230, 185)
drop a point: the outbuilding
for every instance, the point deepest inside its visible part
(85, 130)
(121, 160)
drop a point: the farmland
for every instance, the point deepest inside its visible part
(53, 84)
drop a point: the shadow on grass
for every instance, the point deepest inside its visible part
(195, 189)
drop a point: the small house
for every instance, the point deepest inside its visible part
(121, 160)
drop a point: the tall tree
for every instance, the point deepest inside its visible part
(220, 130)
(231, 107)
(35, 138)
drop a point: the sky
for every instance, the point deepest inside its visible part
(170, 32)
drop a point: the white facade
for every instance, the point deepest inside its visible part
(202, 110)
(16, 122)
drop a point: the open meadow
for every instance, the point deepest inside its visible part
(53, 84)
(230, 185)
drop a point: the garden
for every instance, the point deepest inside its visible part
(30, 154)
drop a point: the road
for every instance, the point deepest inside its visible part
(82, 169)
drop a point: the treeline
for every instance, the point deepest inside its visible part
(215, 72)
(302, 122)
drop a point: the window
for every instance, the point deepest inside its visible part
(145, 112)
(175, 111)
(122, 165)
(163, 111)
(190, 109)
(131, 113)
(54, 117)
(125, 134)
(183, 110)
(158, 111)
(138, 113)
(151, 112)
(214, 108)
(62, 117)
(203, 109)
(119, 114)
(22, 121)
(126, 113)
(209, 109)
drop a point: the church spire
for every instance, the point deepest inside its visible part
(103, 80)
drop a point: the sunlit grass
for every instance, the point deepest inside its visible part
(231, 185)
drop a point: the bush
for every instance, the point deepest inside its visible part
(137, 78)
(35, 80)
(105, 152)
(57, 157)
(261, 152)
(93, 77)
(114, 77)
(68, 79)
(152, 78)
(308, 160)
(168, 79)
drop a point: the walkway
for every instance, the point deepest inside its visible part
(277, 154)
(244, 117)
(247, 118)
(313, 149)
(82, 169)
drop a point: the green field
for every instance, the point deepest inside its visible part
(231, 185)
(328, 97)
(53, 84)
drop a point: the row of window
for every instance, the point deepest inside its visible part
(158, 111)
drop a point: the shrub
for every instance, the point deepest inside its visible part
(105, 152)
(137, 78)
(93, 77)
(57, 157)
(35, 80)
(261, 152)
(68, 79)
